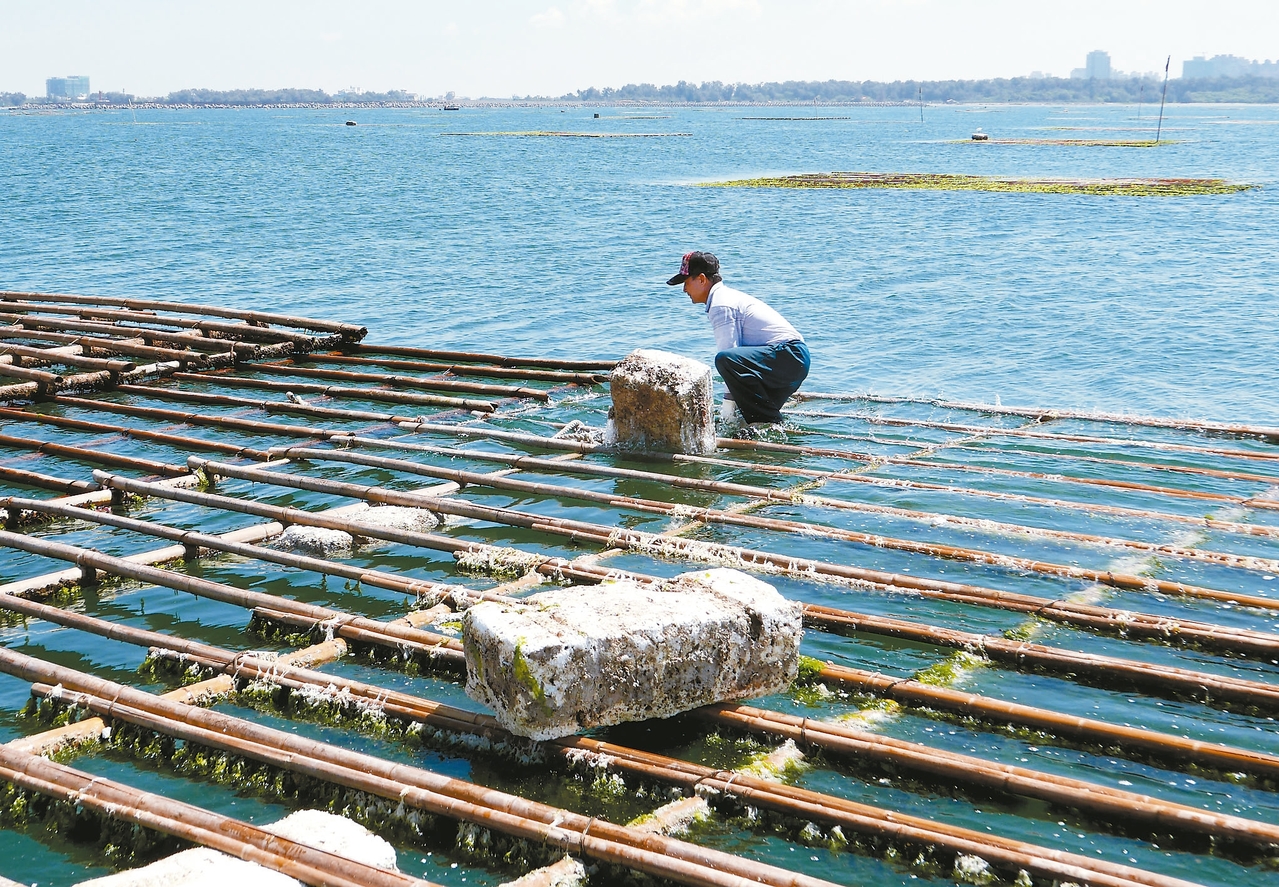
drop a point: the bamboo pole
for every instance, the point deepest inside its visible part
(109, 346)
(226, 423)
(269, 406)
(195, 540)
(755, 492)
(45, 379)
(93, 456)
(174, 440)
(876, 462)
(425, 643)
(378, 394)
(194, 824)
(1043, 415)
(399, 381)
(439, 795)
(61, 358)
(224, 349)
(44, 481)
(349, 331)
(577, 529)
(1018, 655)
(495, 359)
(229, 332)
(460, 369)
(550, 443)
(863, 818)
(1031, 432)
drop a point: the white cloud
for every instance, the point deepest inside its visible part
(551, 18)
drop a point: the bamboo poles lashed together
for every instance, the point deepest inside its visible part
(1104, 670)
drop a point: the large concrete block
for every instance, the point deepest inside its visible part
(565, 660)
(662, 401)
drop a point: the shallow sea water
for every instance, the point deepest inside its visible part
(555, 246)
(561, 246)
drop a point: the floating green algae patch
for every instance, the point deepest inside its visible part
(956, 182)
(556, 134)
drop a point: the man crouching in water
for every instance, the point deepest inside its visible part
(762, 359)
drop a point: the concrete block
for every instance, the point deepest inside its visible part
(202, 867)
(561, 661)
(662, 401)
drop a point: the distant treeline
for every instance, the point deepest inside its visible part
(1015, 89)
(11, 99)
(276, 97)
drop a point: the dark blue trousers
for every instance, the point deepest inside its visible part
(761, 377)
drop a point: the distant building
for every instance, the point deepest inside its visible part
(67, 88)
(1096, 67)
(1227, 66)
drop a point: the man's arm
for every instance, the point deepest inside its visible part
(724, 324)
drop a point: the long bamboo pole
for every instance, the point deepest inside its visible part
(459, 369)
(550, 443)
(494, 359)
(349, 331)
(399, 381)
(223, 349)
(196, 540)
(190, 823)
(45, 378)
(863, 818)
(228, 423)
(1032, 431)
(96, 457)
(155, 392)
(240, 333)
(44, 481)
(61, 358)
(109, 346)
(733, 489)
(1099, 669)
(425, 643)
(518, 518)
(174, 440)
(1228, 428)
(378, 394)
(440, 795)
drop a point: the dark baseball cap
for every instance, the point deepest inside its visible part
(694, 264)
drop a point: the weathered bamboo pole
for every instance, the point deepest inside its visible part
(226, 423)
(1042, 415)
(494, 359)
(61, 358)
(425, 643)
(118, 318)
(93, 456)
(349, 331)
(44, 378)
(1029, 431)
(763, 793)
(155, 392)
(109, 346)
(379, 394)
(174, 440)
(1167, 747)
(579, 528)
(755, 492)
(1050, 659)
(44, 481)
(224, 349)
(551, 443)
(874, 462)
(398, 381)
(195, 540)
(459, 369)
(194, 824)
(440, 795)
(107, 322)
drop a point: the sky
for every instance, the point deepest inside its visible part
(552, 47)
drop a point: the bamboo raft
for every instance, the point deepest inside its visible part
(1039, 584)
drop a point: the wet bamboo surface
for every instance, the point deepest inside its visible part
(1100, 586)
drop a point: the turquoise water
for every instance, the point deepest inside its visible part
(552, 246)
(561, 246)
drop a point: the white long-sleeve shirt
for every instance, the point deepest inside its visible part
(738, 319)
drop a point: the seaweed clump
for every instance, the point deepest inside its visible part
(956, 182)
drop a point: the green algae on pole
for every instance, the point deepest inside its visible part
(957, 182)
